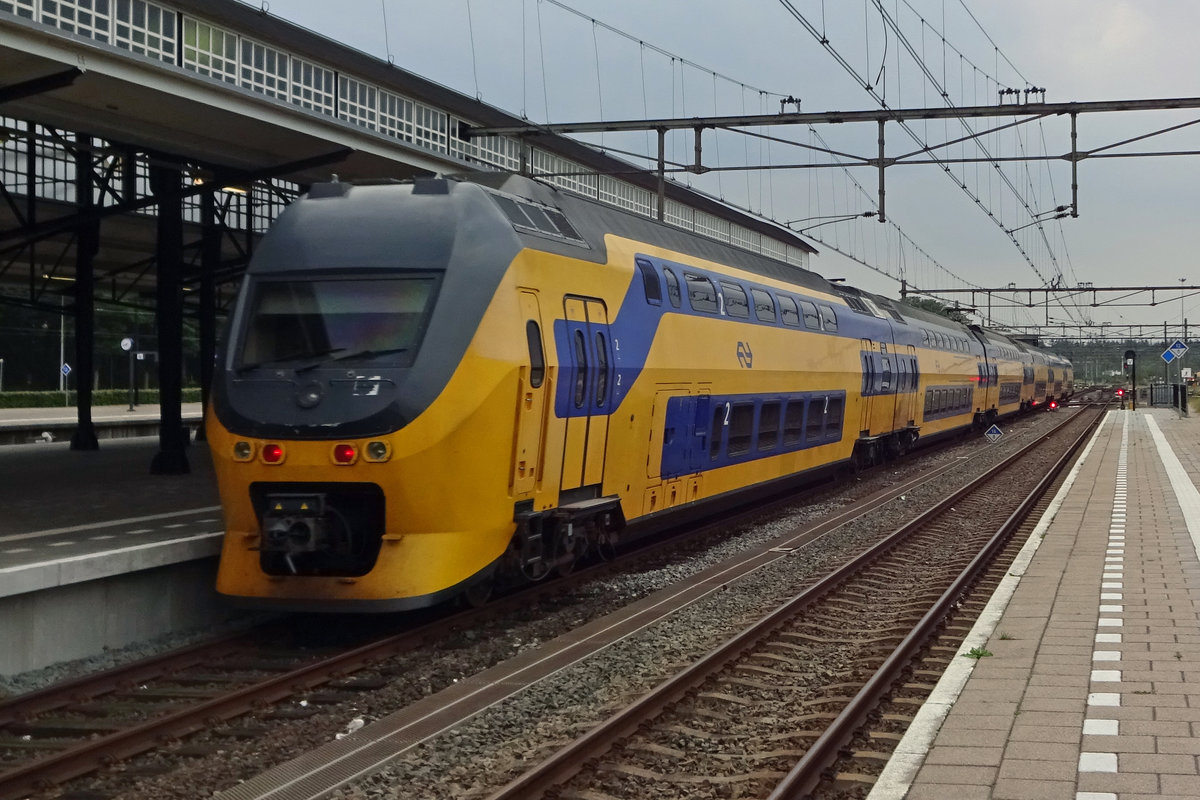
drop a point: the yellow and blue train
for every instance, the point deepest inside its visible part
(428, 387)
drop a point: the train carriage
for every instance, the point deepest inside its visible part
(949, 365)
(1005, 373)
(1036, 392)
(434, 385)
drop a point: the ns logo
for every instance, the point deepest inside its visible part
(745, 355)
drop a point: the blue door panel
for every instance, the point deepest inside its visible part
(698, 451)
(685, 435)
(598, 389)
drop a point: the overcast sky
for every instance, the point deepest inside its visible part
(1135, 225)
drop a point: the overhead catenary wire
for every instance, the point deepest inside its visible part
(387, 45)
(474, 66)
(940, 87)
(599, 85)
(542, 54)
(990, 41)
(679, 104)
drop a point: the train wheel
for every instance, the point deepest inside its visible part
(479, 593)
(570, 545)
(535, 570)
(606, 544)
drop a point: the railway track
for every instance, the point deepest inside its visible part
(404, 746)
(773, 709)
(49, 737)
(71, 729)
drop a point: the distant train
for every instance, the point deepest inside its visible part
(431, 386)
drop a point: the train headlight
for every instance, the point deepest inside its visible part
(344, 454)
(377, 451)
(272, 453)
(243, 451)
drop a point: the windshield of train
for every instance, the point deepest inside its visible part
(352, 320)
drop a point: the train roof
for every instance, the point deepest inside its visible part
(593, 220)
(541, 217)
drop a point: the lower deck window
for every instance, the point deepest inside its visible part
(793, 423)
(741, 424)
(744, 427)
(768, 426)
(816, 419)
(833, 416)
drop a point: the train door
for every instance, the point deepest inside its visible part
(867, 356)
(887, 388)
(985, 394)
(906, 387)
(588, 370)
(679, 436)
(906, 409)
(678, 447)
(531, 401)
(878, 387)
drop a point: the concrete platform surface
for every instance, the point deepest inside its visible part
(95, 551)
(28, 417)
(71, 516)
(49, 485)
(1091, 690)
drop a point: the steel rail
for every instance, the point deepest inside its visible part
(93, 754)
(22, 707)
(319, 772)
(568, 761)
(824, 752)
(71, 763)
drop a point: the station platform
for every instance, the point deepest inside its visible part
(95, 551)
(52, 424)
(1089, 687)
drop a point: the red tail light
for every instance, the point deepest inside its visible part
(272, 453)
(344, 454)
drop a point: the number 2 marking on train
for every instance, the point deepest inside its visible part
(728, 408)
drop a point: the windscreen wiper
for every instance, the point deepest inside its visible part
(296, 356)
(372, 353)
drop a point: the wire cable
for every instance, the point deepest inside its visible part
(474, 67)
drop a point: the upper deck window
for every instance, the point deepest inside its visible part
(811, 320)
(650, 282)
(701, 293)
(787, 311)
(672, 286)
(764, 306)
(736, 304)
